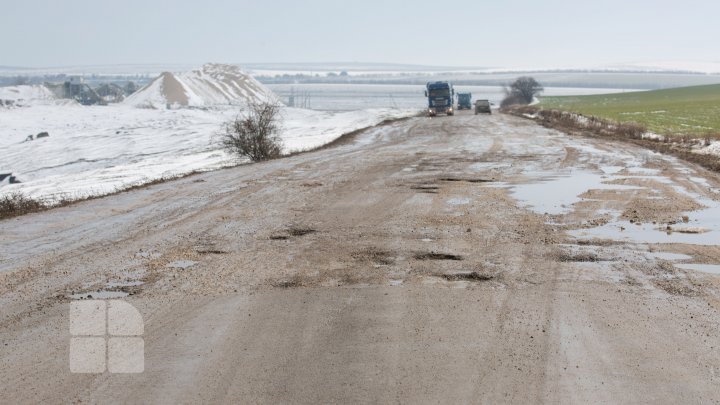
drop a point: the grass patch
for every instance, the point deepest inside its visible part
(681, 111)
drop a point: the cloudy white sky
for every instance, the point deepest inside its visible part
(482, 33)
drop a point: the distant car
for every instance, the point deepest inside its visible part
(482, 106)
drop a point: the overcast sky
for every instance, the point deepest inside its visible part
(483, 33)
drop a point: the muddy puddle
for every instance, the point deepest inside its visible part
(668, 256)
(702, 227)
(705, 268)
(555, 194)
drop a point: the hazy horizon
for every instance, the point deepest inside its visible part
(513, 34)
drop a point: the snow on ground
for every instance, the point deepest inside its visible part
(213, 84)
(712, 149)
(25, 95)
(99, 149)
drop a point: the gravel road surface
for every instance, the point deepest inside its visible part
(466, 259)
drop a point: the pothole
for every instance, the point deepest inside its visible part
(376, 256)
(98, 295)
(468, 276)
(466, 180)
(292, 232)
(300, 231)
(212, 252)
(578, 257)
(294, 283)
(426, 188)
(437, 256)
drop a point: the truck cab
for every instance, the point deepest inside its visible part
(440, 98)
(464, 101)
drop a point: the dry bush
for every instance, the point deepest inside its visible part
(253, 134)
(16, 204)
(510, 100)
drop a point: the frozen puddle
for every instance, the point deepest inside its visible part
(705, 268)
(557, 194)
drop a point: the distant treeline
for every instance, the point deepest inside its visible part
(61, 78)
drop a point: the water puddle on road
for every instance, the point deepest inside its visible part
(458, 201)
(124, 284)
(557, 194)
(703, 228)
(645, 233)
(668, 256)
(705, 268)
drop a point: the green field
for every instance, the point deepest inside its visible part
(680, 111)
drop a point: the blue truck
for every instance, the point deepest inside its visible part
(440, 98)
(464, 101)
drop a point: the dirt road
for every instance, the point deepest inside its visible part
(460, 259)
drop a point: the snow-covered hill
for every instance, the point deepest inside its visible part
(25, 95)
(212, 85)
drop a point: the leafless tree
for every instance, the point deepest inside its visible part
(522, 91)
(253, 134)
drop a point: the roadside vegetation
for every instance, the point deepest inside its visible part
(683, 146)
(521, 92)
(684, 111)
(16, 204)
(254, 134)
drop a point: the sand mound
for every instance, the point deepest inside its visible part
(213, 84)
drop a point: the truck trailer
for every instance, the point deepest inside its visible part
(464, 101)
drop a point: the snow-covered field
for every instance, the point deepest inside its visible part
(99, 149)
(170, 127)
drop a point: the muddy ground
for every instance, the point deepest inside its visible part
(455, 259)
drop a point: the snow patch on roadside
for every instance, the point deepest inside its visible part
(96, 150)
(712, 149)
(23, 96)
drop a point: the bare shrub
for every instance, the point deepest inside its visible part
(253, 134)
(511, 99)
